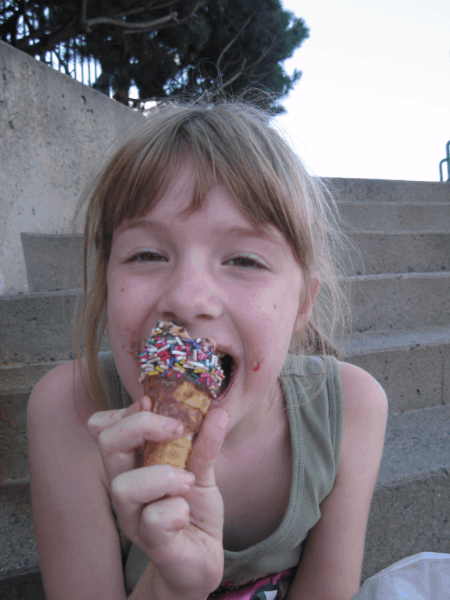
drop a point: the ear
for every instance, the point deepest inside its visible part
(307, 302)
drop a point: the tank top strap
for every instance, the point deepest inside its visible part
(117, 395)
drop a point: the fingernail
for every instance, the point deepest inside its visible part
(146, 403)
(174, 427)
(143, 404)
(188, 477)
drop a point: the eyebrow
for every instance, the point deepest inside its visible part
(232, 231)
(246, 232)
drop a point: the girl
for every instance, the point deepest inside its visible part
(205, 217)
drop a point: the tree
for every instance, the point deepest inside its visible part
(163, 47)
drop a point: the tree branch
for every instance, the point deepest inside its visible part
(77, 26)
(149, 25)
(228, 46)
(82, 14)
(184, 19)
(243, 69)
(264, 53)
(131, 26)
(136, 11)
(236, 75)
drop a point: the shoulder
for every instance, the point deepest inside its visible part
(58, 410)
(364, 400)
(63, 393)
(365, 410)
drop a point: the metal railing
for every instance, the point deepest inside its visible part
(445, 160)
(84, 70)
(67, 57)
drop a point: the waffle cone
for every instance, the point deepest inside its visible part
(185, 401)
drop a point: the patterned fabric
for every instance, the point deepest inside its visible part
(266, 588)
(313, 394)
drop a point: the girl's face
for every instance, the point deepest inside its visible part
(214, 274)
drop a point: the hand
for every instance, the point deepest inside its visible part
(174, 516)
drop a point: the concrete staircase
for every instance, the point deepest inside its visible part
(402, 337)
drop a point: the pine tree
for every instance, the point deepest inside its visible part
(163, 47)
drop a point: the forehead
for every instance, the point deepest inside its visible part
(219, 211)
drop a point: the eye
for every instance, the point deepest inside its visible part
(147, 256)
(247, 261)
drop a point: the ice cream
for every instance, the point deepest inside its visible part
(180, 375)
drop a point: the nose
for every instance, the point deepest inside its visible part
(191, 293)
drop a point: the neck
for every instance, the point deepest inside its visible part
(264, 417)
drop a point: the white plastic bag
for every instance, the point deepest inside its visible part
(424, 576)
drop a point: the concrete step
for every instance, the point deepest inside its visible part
(13, 436)
(38, 327)
(409, 512)
(21, 378)
(405, 252)
(396, 216)
(413, 366)
(20, 577)
(53, 262)
(391, 302)
(16, 383)
(381, 251)
(381, 190)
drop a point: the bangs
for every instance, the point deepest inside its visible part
(238, 154)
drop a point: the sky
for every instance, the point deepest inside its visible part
(374, 98)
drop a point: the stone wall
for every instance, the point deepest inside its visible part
(54, 133)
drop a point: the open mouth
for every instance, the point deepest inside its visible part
(229, 367)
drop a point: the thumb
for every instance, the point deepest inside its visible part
(207, 446)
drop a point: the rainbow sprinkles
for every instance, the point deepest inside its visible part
(171, 354)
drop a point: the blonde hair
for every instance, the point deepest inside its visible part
(231, 141)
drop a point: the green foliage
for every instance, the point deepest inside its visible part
(165, 48)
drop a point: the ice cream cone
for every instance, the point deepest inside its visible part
(180, 375)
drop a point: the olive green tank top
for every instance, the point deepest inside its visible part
(313, 394)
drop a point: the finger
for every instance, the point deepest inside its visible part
(118, 443)
(135, 430)
(161, 521)
(133, 489)
(207, 446)
(107, 418)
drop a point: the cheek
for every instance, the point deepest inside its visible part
(127, 299)
(126, 312)
(273, 312)
(279, 318)
(283, 305)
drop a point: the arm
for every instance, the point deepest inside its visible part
(331, 564)
(77, 466)
(71, 508)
